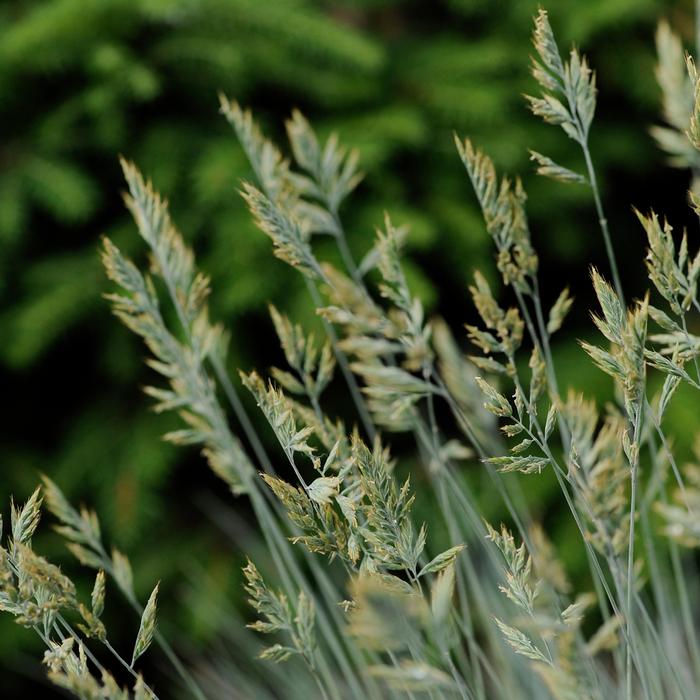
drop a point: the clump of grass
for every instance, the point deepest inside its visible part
(357, 588)
(43, 599)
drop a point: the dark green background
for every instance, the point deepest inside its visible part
(82, 81)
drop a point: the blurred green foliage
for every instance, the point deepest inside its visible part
(84, 80)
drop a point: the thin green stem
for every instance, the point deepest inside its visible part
(634, 466)
(241, 414)
(542, 343)
(343, 364)
(161, 641)
(671, 458)
(126, 665)
(111, 650)
(434, 448)
(345, 253)
(560, 475)
(270, 529)
(602, 220)
(630, 580)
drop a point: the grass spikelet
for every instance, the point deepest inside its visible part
(147, 626)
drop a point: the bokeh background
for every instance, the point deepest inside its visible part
(82, 81)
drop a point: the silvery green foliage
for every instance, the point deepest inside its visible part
(598, 461)
(362, 594)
